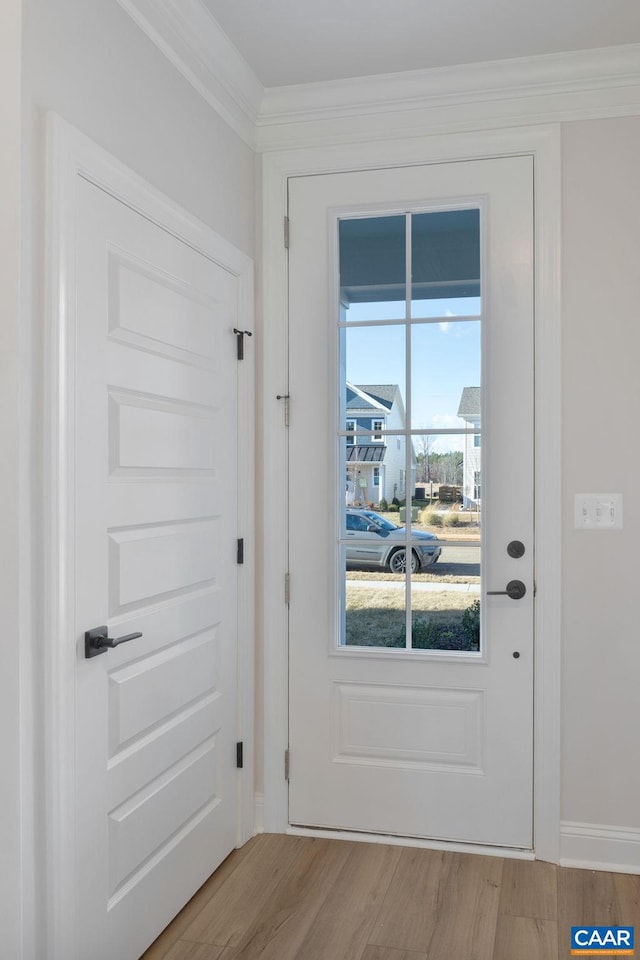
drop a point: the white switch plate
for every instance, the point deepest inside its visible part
(598, 511)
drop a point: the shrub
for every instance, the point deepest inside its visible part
(394, 508)
(383, 505)
(395, 502)
(436, 635)
(451, 519)
(471, 625)
(431, 518)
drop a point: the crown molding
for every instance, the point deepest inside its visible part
(196, 45)
(580, 85)
(585, 84)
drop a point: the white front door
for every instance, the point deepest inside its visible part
(155, 528)
(411, 349)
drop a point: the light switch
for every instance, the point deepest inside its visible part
(598, 511)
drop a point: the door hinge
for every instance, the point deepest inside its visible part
(286, 233)
(241, 334)
(287, 589)
(285, 398)
(239, 754)
(286, 764)
(240, 551)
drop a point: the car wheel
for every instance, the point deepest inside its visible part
(398, 562)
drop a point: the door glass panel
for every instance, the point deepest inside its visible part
(373, 268)
(445, 594)
(445, 361)
(445, 263)
(374, 609)
(409, 449)
(373, 452)
(373, 357)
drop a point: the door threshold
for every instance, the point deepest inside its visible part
(452, 846)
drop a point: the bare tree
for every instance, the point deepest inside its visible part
(424, 450)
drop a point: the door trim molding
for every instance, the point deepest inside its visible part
(543, 143)
(71, 155)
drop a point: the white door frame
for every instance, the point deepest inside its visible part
(543, 143)
(72, 155)
(17, 829)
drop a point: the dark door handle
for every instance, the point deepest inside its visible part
(515, 589)
(98, 641)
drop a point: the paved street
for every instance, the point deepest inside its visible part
(463, 556)
(457, 560)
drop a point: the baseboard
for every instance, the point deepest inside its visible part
(258, 803)
(591, 846)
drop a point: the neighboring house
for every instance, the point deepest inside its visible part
(376, 464)
(469, 410)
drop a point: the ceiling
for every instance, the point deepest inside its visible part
(301, 41)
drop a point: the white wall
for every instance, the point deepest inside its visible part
(601, 402)
(88, 61)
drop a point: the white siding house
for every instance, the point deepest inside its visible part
(469, 411)
(376, 462)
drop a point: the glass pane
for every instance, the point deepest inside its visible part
(445, 375)
(439, 464)
(375, 537)
(472, 474)
(375, 608)
(373, 268)
(366, 312)
(445, 309)
(445, 616)
(374, 475)
(374, 362)
(445, 263)
(373, 459)
(445, 586)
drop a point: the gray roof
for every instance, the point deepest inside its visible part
(365, 453)
(469, 408)
(383, 393)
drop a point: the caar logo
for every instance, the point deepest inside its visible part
(602, 941)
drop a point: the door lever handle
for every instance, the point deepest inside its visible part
(514, 589)
(98, 641)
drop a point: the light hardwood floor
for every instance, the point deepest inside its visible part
(297, 898)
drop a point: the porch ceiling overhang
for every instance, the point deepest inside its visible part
(445, 257)
(366, 453)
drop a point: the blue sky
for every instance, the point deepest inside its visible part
(445, 357)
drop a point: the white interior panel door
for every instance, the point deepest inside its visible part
(156, 518)
(411, 379)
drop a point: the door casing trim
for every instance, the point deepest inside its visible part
(543, 143)
(70, 155)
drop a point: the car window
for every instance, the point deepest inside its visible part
(354, 522)
(381, 521)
